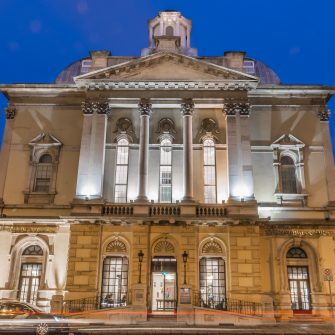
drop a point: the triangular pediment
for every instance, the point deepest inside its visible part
(287, 140)
(45, 140)
(166, 67)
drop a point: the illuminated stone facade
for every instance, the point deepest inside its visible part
(167, 183)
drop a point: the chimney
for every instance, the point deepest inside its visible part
(99, 59)
(234, 59)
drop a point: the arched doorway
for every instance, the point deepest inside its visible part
(163, 279)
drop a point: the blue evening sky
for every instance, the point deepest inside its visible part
(38, 38)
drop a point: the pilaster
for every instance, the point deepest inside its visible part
(240, 174)
(92, 150)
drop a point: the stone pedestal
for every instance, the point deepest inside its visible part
(185, 310)
(57, 301)
(139, 302)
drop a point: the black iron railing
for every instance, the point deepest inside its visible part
(95, 303)
(227, 304)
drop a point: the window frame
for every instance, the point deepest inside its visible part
(168, 165)
(213, 166)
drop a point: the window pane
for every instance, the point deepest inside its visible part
(165, 173)
(114, 282)
(121, 171)
(209, 171)
(43, 177)
(288, 175)
(212, 283)
(29, 282)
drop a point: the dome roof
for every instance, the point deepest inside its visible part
(265, 73)
(73, 70)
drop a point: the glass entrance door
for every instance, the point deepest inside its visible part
(299, 288)
(29, 282)
(164, 285)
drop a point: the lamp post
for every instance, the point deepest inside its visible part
(185, 255)
(140, 260)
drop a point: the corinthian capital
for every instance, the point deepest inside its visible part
(324, 114)
(231, 108)
(10, 112)
(99, 107)
(187, 107)
(144, 107)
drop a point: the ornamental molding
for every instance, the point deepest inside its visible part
(211, 247)
(288, 141)
(10, 112)
(144, 107)
(166, 129)
(187, 107)
(124, 127)
(29, 229)
(116, 246)
(95, 106)
(167, 85)
(164, 246)
(324, 114)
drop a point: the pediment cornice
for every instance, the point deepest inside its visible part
(136, 74)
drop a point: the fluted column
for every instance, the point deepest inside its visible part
(187, 108)
(92, 150)
(144, 108)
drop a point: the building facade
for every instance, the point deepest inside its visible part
(169, 183)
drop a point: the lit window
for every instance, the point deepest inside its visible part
(121, 175)
(209, 171)
(114, 288)
(298, 279)
(249, 66)
(165, 171)
(288, 175)
(212, 283)
(43, 174)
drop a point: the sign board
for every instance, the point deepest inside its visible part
(327, 274)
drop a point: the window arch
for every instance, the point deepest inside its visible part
(209, 170)
(114, 284)
(212, 275)
(43, 175)
(165, 170)
(288, 175)
(121, 173)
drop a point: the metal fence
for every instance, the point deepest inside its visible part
(94, 303)
(227, 304)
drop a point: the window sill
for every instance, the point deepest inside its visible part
(39, 198)
(296, 199)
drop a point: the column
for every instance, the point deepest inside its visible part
(6, 143)
(92, 150)
(324, 115)
(144, 107)
(240, 176)
(187, 108)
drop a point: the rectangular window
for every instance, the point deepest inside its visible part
(121, 171)
(29, 282)
(114, 288)
(209, 172)
(165, 173)
(43, 178)
(299, 287)
(249, 66)
(212, 283)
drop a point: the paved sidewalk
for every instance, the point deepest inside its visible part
(277, 329)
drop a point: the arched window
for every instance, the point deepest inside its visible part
(212, 274)
(209, 171)
(30, 273)
(298, 279)
(114, 286)
(288, 175)
(43, 175)
(169, 31)
(121, 174)
(165, 171)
